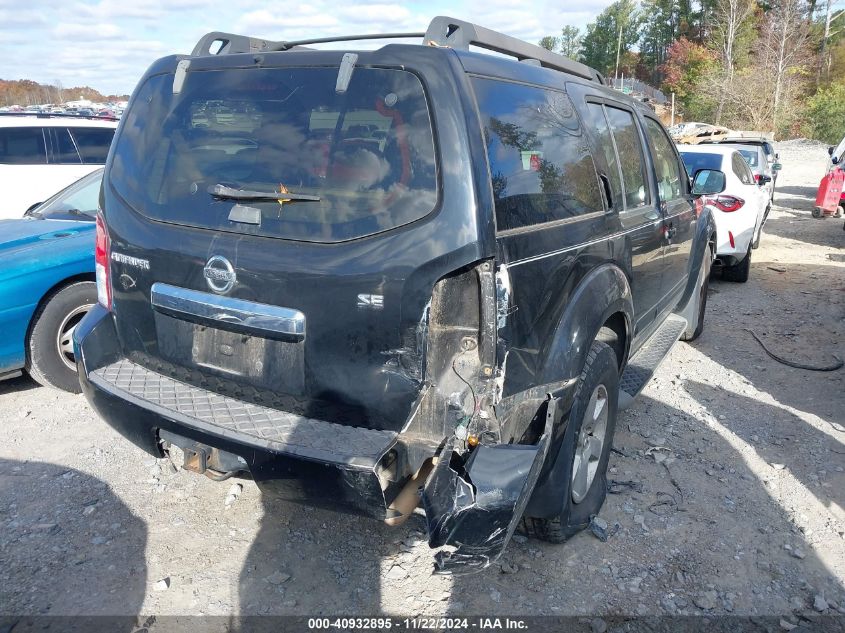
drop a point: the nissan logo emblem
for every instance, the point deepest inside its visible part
(219, 274)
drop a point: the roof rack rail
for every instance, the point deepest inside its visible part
(229, 43)
(446, 31)
(442, 31)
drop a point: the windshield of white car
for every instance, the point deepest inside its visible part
(77, 202)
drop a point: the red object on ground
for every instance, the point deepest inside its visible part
(830, 193)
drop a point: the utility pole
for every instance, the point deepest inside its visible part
(618, 48)
(673, 109)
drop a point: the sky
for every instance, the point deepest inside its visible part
(108, 44)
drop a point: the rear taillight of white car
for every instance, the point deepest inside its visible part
(728, 204)
(102, 248)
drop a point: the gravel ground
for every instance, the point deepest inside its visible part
(728, 488)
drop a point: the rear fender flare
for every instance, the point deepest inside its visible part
(603, 292)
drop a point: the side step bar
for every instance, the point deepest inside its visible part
(644, 363)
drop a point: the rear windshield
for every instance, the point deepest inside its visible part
(751, 157)
(366, 155)
(694, 161)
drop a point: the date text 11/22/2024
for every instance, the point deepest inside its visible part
(416, 624)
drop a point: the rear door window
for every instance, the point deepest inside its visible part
(93, 143)
(64, 151)
(22, 146)
(540, 161)
(628, 145)
(598, 123)
(366, 155)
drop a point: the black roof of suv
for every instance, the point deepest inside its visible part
(360, 275)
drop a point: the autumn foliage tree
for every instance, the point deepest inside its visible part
(686, 63)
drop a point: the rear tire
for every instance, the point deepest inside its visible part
(817, 212)
(599, 385)
(738, 272)
(49, 358)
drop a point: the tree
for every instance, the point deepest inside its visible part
(731, 18)
(824, 55)
(549, 42)
(686, 65)
(826, 114)
(615, 32)
(570, 41)
(660, 30)
(783, 40)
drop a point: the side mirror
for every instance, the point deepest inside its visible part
(708, 182)
(777, 167)
(834, 160)
(764, 179)
(830, 150)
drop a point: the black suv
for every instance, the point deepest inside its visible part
(369, 278)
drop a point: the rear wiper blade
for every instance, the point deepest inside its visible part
(227, 193)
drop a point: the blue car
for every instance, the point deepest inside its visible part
(47, 284)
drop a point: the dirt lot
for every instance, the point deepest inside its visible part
(741, 510)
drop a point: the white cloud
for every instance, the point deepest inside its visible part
(83, 32)
(108, 44)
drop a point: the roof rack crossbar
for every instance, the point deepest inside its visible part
(446, 31)
(442, 31)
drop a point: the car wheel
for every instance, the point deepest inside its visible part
(50, 359)
(738, 272)
(703, 285)
(586, 446)
(817, 212)
(839, 210)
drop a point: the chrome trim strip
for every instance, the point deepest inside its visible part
(238, 314)
(560, 251)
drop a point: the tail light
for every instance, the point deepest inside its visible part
(728, 204)
(101, 263)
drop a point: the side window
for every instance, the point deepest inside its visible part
(740, 168)
(598, 123)
(64, 151)
(22, 146)
(630, 151)
(666, 167)
(540, 161)
(93, 143)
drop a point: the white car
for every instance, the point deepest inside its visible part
(740, 210)
(40, 155)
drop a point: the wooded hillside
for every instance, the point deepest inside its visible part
(769, 65)
(24, 92)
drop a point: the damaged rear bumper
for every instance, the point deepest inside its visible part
(473, 497)
(474, 503)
